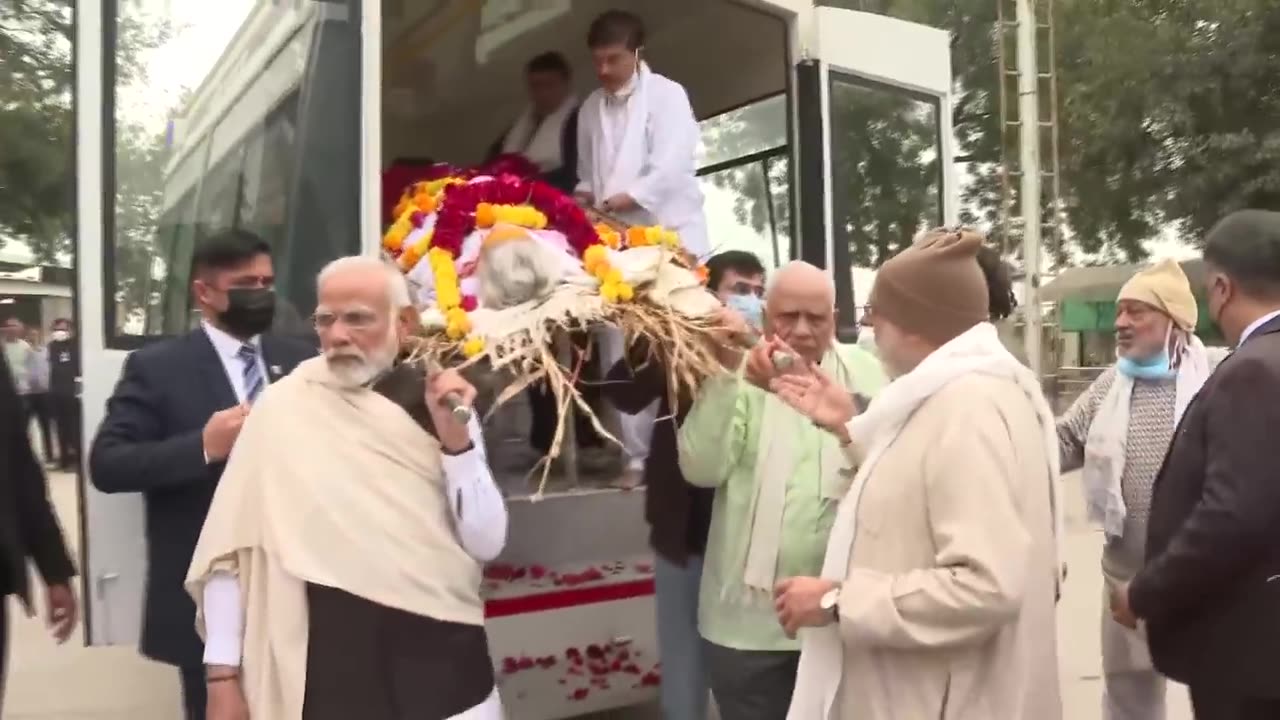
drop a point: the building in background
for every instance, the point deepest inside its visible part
(35, 293)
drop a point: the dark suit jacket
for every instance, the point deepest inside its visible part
(679, 514)
(565, 177)
(28, 528)
(1210, 590)
(150, 442)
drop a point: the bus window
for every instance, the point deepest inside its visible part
(884, 168)
(745, 174)
(218, 195)
(176, 228)
(240, 108)
(269, 162)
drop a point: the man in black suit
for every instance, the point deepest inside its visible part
(64, 391)
(28, 527)
(1210, 590)
(173, 420)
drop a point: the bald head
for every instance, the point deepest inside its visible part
(800, 277)
(800, 308)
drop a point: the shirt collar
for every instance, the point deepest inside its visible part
(224, 344)
(1257, 324)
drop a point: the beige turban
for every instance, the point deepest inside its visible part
(1165, 287)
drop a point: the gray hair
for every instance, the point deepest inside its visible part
(397, 286)
(512, 272)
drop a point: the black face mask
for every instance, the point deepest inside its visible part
(249, 311)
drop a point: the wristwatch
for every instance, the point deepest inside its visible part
(830, 602)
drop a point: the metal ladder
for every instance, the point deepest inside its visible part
(1007, 27)
(1030, 22)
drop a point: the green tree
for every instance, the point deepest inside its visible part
(1166, 112)
(36, 118)
(1166, 118)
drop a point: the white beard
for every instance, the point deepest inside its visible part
(353, 368)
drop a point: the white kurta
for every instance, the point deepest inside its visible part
(643, 142)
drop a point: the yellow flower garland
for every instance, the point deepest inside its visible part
(525, 216)
(612, 287)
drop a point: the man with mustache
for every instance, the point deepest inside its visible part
(338, 573)
(1118, 432)
(173, 419)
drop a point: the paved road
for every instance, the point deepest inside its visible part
(77, 683)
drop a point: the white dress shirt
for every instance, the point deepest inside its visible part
(228, 349)
(480, 521)
(1253, 328)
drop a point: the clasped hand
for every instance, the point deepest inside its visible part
(453, 435)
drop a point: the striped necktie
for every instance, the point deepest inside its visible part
(253, 381)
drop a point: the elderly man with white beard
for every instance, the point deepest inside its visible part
(338, 573)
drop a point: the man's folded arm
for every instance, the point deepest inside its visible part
(130, 452)
(1235, 521)
(479, 512)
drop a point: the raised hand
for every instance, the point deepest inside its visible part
(814, 394)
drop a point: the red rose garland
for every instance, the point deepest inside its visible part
(456, 218)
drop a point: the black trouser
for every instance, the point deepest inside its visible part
(543, 417)
(66, 419)
(751, 684)
(1212, 704)
(38, 407)
(195, 694)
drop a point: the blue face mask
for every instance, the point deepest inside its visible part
(750, 306)
(1156, 367)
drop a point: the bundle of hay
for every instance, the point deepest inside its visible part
(501, 266)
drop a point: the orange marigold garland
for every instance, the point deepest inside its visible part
(459, 207)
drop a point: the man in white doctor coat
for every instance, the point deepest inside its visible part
(637, 142)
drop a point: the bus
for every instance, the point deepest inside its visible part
(300, 106)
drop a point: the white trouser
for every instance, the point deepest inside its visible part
(1132, 689)
(636, 429)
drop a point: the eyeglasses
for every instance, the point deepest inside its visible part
(354, 319)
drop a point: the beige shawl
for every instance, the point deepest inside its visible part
(979, 351)
(338, 487)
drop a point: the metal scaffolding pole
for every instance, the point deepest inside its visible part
(1029, 158)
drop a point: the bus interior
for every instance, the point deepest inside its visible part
(454, 81)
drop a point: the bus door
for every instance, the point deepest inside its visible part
(874, 142)
(275, 131)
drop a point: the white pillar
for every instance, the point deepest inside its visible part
(1029, 117)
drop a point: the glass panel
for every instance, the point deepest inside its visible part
(216, 104)
(747, 208)
(746, 180)
(759, 126)
(885, 175)
(218, 194)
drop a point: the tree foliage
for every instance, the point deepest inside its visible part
(1166, 117)
(37, 163)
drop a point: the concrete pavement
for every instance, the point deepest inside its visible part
(47, 682)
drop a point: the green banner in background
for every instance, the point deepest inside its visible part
(1091, 316)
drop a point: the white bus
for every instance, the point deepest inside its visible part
(305, 102)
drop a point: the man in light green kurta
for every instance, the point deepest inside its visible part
(778, 480)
